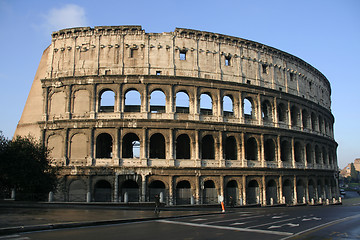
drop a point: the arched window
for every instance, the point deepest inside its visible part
(232, 193)
(266, 111)
(107, 101)
(132, 101)
(182, 102)
(156, 188)
(305, 118)
(294, 111)
(313, 121)
(183, 192)
(207, 147)
(321, 124)
(183, 147)
(157, 102)
(299, 152)
(248, 107)
(251, 149)
(325, 156)
(309, 154)
(157, 146)
(130, 190)
(228, 106)
(285, 151)
(131, 146)
(104, 145)
(281, 110)
(300, 191)
(269, 150)
(288, 191)
(271, 192)
(317, 154)
(230, 148)
(206, 106)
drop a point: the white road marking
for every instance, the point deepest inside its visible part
(235, 219)
(322, 225)
(197, 219)
(228, 228)
(309, 219)
(286, 224)
(274, 217)
(240, 223)
(14, 237)
(272, 223)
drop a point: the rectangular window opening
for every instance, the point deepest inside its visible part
(292, 76)
(264, 68)
(183, 55)
(227, 61)
(158, 73)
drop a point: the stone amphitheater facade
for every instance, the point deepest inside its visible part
(253, 122)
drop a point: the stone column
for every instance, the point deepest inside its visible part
(289, 122)
(143, 147)
(197, 189)
(221, 187)
(171, 190)
(293, 152)
(262, 151)
(241, 109)
(279, 151)
(197, 150)
(220, 150)
(116, 187)
(244, 189)
(276, 119)
(260, 120)
(143, 187)
(295, 191)
(263, 190)
(243, 150)
(280, 189)
(170, 144)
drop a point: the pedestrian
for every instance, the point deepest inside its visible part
(157, 204)
(231, 201)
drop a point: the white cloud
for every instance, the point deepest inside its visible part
(69, 16)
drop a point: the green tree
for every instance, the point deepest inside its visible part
(25, 166)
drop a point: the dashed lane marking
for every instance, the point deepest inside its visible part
(197, 219)
(269, 223)
(228, 228)
(235, 219)
(14, 237)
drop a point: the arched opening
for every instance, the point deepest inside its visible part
(313, 121)
(321, 124)
(325, 156)
(317, 155)
(305, 119)
(288, 191)
(131, 146)
(281, 110)
(232, 193)
(210, 193)
(248, 107)
(300, 191)
(107, 101)
(230, 148)
(266, 111)
(269, 150)
(207, 147)
(294, 112)
(309, 154)
(102, 191)
(132, 101)
(251, 149)
(271, 192)
(130, 191)
(312, 193)
(206, 106)
(327, 189)
(157, 146)
(104, 145)
(299, 152)
(183, 147)
(157, 102)
(228, 106)
(156, 188)
(183, 192)
(77, 191)
(320, 189)
(182, 102)
(253, 192)
(285, 151)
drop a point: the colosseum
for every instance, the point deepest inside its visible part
(189, 115)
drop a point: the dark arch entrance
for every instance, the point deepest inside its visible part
(207, 147)
(232, 191)
(312, 192)
(288, 191)
(210, 193)
(183, 192)
(300, 191)
(183, 147)
(131, 146)
(156, 188)
(230, 148)
(271, 192)
(77, 191)
(253, 192)
(131, 188)
(157, 146)
(102, 191)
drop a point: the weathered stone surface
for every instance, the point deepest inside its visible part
(267, 133)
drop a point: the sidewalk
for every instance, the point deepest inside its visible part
(23, 217)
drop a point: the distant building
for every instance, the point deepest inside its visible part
(352, 169)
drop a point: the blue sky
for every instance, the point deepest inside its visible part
(324, 33)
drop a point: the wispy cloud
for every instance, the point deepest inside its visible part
(68, 16)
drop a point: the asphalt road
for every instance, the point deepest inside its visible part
(307, 222)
